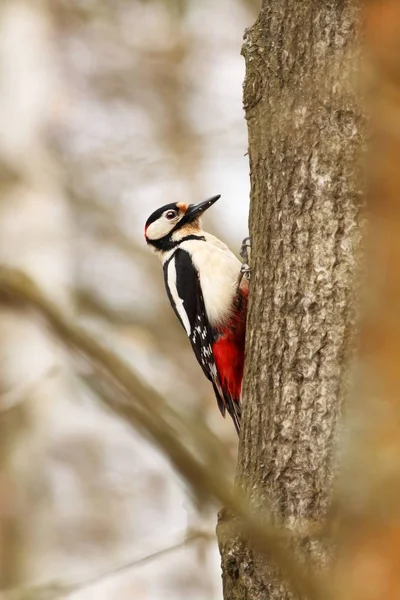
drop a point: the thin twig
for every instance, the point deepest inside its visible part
(57, 591)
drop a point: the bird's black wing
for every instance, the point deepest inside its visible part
(184, 292)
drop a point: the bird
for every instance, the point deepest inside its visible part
(207, 287)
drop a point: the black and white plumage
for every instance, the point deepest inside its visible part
(205, 287)
(182, 283)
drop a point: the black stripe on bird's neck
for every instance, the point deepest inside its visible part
(165, 244)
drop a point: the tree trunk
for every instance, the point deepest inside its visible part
(305, 133)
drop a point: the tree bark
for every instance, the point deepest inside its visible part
(305, 129)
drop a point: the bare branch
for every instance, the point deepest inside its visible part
(56, 591)
(169, 431)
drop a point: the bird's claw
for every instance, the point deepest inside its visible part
(245, 271)
(245, 249)
(245, 254)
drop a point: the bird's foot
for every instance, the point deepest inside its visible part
(245, 254)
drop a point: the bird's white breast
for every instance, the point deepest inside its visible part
(219, 271)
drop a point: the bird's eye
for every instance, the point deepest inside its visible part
(171, 214)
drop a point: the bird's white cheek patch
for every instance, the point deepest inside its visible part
(159, 229)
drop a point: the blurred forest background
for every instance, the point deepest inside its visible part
(109, 110)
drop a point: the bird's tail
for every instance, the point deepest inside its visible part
(227, 402)
(234, 408)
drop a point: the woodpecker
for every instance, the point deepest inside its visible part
(208, 288)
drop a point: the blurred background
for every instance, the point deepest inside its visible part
(109, 110)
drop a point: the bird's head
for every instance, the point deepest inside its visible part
(167, 225)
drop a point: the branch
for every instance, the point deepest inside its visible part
(57, 591)
(169, 430)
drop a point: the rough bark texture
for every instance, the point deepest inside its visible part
(305, 133)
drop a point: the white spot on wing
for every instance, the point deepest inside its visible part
(171, 282)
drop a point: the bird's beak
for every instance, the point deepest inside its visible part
(194, 211)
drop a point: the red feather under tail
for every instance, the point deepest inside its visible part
(228, 350)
